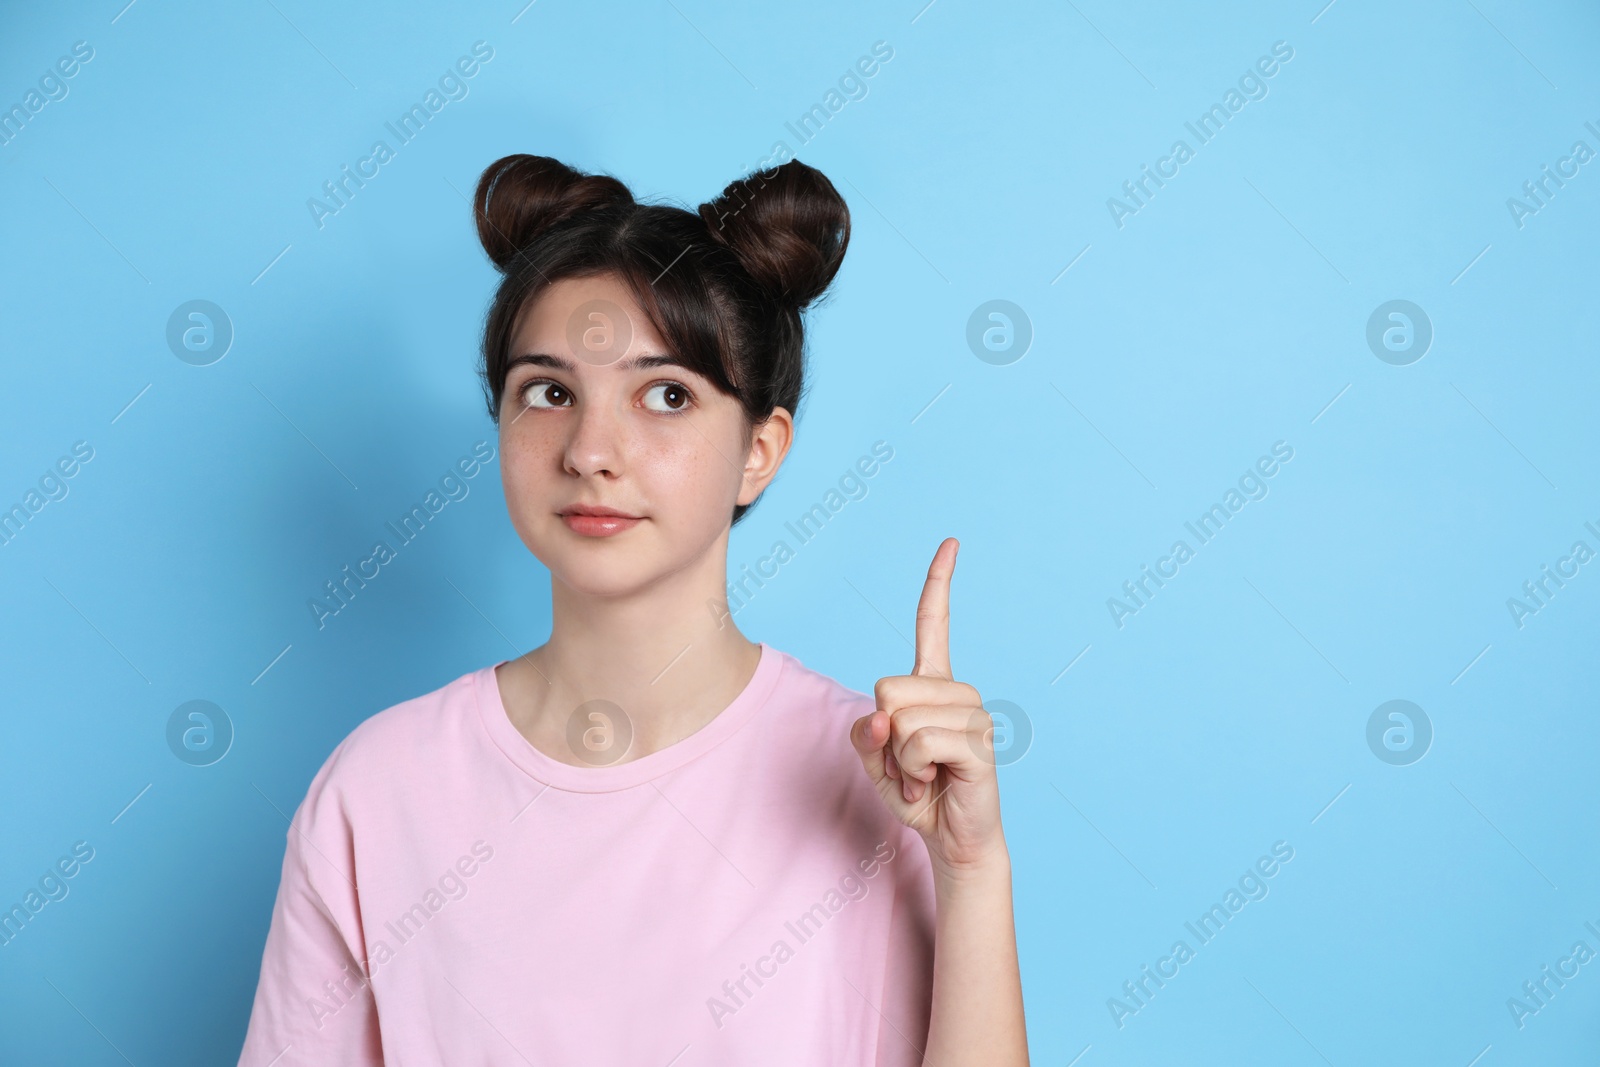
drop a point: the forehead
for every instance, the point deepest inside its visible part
(570, 311)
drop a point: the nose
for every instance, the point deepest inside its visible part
(597, 442)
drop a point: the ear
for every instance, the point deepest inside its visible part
(769, 443)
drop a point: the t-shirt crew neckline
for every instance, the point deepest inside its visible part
(630, 773)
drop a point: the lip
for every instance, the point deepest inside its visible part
(596, 510)
(595, 521)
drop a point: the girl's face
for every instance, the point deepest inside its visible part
(596, 413)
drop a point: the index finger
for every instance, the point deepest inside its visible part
(933, 614)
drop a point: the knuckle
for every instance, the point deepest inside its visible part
(900, 730)
(887, 691)
(919, 745)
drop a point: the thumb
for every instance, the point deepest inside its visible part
(869, 734)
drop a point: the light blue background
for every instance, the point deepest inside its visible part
(1228, 314)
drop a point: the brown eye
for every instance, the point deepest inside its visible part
(675, 397)
(544, 393)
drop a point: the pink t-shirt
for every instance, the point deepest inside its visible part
(742, 896)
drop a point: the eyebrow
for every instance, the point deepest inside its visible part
(542, 359)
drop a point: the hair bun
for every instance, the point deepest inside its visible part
(788, 227)
(521, 196)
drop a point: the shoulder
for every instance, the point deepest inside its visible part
(403, 743)
(821, 693)
(404, 731)
(818, 713)
(810, 715)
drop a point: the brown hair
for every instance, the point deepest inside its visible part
(724, 286)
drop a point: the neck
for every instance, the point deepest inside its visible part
(669, 656)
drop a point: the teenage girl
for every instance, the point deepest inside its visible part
(651, 841)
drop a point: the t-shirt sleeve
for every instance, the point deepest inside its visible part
(313, 1005)
(908, 973)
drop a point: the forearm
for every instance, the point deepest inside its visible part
(977, 1018)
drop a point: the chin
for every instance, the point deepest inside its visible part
(598, 566)
(604, 578)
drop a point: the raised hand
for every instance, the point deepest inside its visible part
(929, 745)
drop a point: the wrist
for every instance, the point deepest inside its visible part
(991, 870)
